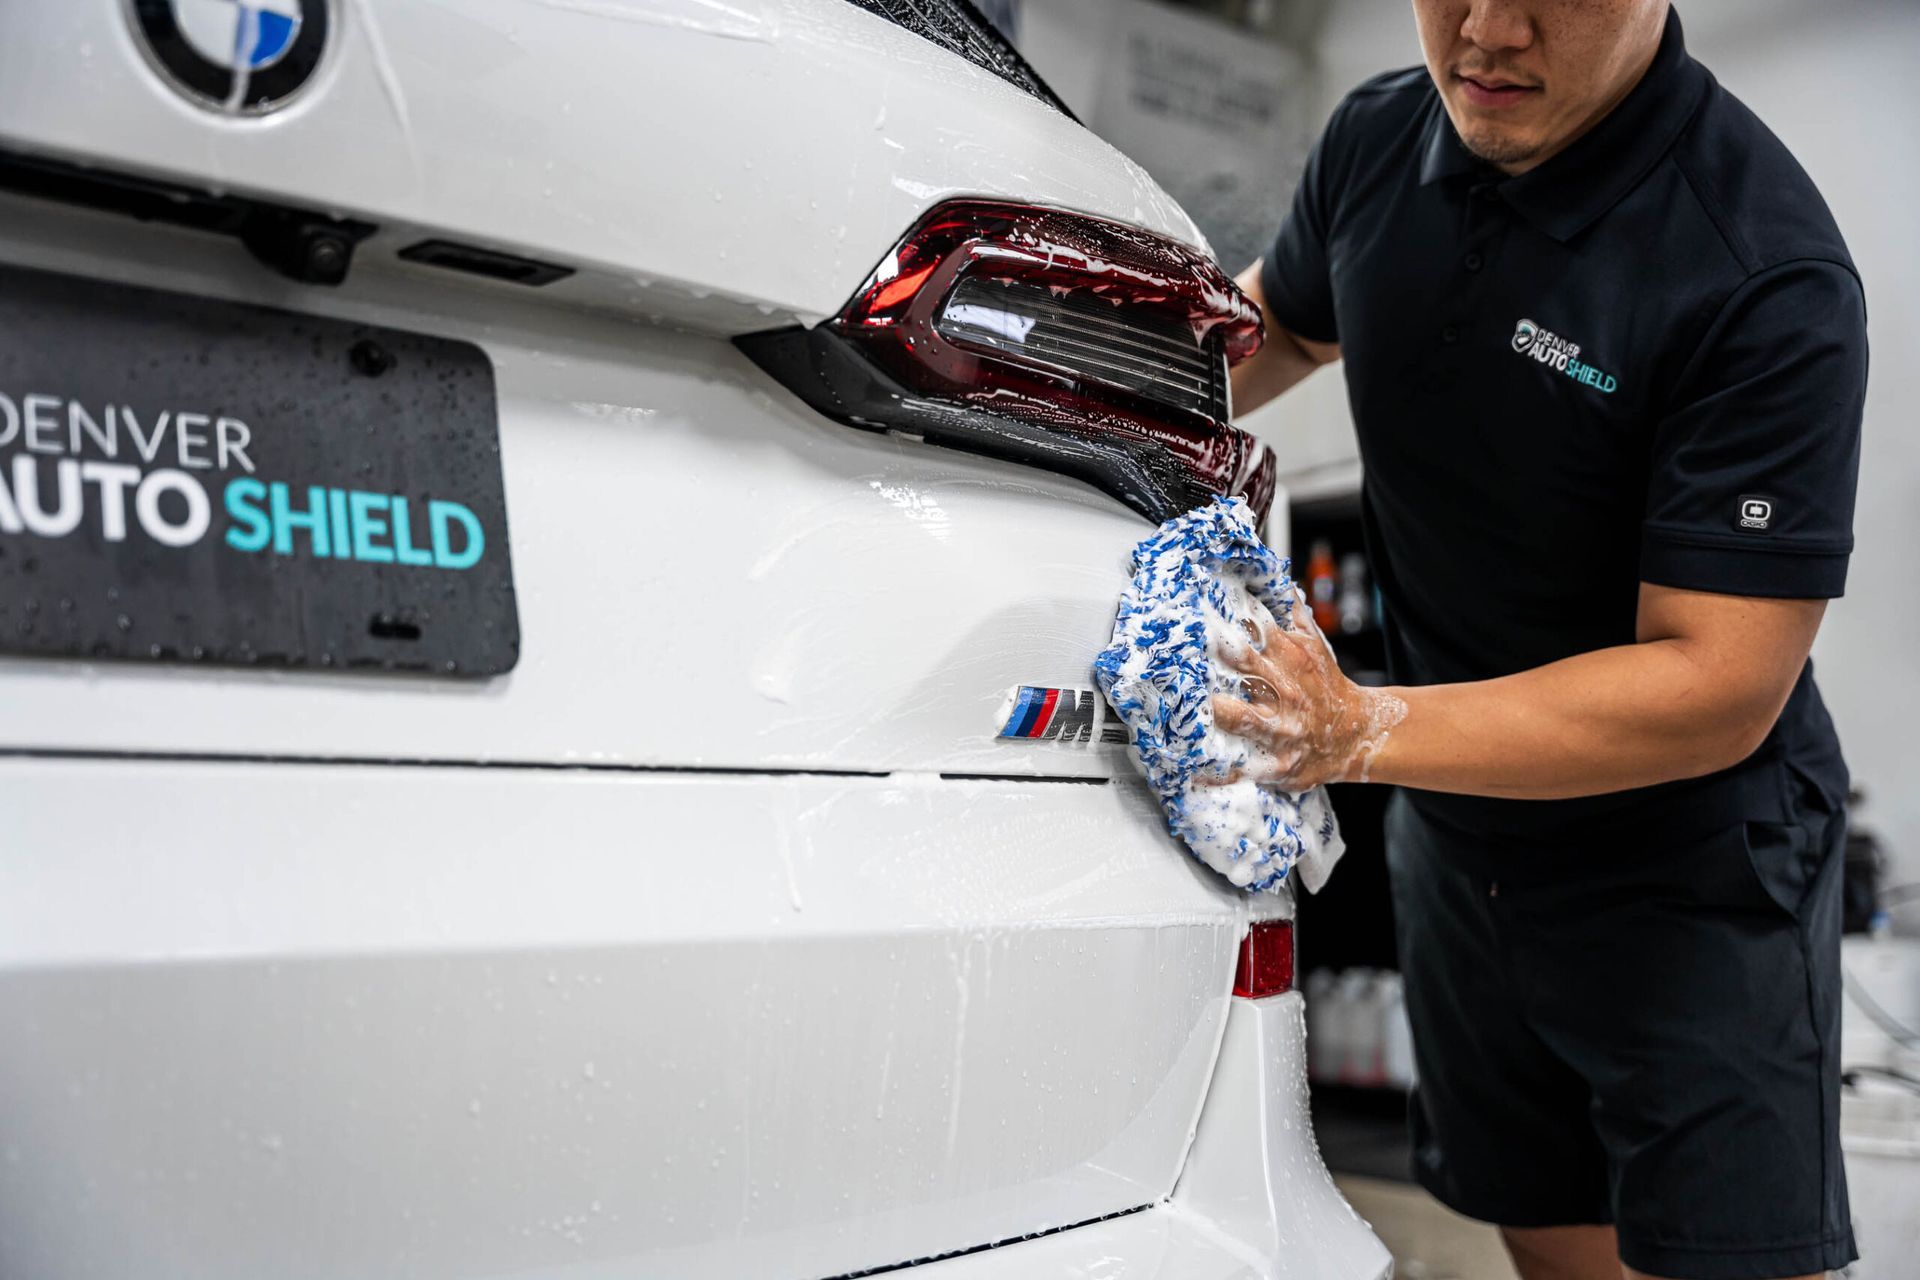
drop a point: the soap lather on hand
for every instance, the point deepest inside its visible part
(1312, 724)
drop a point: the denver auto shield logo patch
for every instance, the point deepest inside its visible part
(1560, 355)
(1047, 714)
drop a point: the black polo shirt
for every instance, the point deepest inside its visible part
(1643, 360)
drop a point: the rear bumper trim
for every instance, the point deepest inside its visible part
(893, 1267)
(299, 244)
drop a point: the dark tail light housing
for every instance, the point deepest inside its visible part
(1059, 340)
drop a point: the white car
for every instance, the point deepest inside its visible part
(549, 557)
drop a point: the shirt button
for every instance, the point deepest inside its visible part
(1473, 262)
(1450, 334)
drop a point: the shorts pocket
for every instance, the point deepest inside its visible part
(1784, 858)
(1755, 867)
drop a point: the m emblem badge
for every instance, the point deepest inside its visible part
(1058, 715)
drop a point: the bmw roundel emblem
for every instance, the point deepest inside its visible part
(240, 57)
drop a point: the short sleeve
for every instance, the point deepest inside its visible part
(1294, 275)
(1753, 468)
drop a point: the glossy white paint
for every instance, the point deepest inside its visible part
(633, 1017)
(1254, 1172)
(360, 1021)
(708, 572)
(1255, 1203)
(762, 150)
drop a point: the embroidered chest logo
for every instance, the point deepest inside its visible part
(1560, 355)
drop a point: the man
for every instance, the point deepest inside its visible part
(1606, 354)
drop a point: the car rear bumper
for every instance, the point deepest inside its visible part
(1254, 1203)
(351, 1019)
(354, 1019)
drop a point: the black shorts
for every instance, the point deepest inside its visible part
(1648, 1039)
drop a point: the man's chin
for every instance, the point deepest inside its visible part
(1500, 146)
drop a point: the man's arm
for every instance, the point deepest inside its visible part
(1283, 360)
(1697, 692)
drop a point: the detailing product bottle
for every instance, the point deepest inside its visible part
(1356, 602)
(1322, 1063)
(1355, 1024)
(1322, 586)
(1397, 1057)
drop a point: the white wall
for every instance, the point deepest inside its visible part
(1219, 117)
(1839, 81)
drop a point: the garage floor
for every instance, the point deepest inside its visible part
(1363, 1138)
(1428, 1240)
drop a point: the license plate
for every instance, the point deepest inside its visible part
(189, 480)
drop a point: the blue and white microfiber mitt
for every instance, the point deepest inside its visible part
(1195, 579)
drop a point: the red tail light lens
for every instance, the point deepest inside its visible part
(1266, 961)
(1064, 341)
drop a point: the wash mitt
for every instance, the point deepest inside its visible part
(1197, 578)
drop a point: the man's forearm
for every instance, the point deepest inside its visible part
(1280, 366)
(1282, 361)
(1629, 716)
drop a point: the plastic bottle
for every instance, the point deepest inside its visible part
(1369, 1048)
(1351, 1040)
(1318, 991)
(1356, 602)
(1322, 586)
(1397, 1055)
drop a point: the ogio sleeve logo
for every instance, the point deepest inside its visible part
(1756, 514)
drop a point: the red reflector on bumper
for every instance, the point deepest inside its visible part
(1266, 961)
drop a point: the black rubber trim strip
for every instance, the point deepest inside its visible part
(833, 377)
(530, 766)
(407, 762)
(514, 268)
(939, 22)
(298, 243)
(982, 1248)
(1085, 781)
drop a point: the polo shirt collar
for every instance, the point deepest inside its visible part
(1566, 194)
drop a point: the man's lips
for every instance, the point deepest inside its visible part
(1494, 93)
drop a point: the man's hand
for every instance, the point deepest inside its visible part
(1313, 723)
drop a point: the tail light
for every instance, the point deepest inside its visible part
(1066, 342)
(1266, 961)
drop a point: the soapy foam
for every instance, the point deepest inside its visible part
(1384, 711)
(1349, 737)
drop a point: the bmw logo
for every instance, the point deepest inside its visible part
(239, 57)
